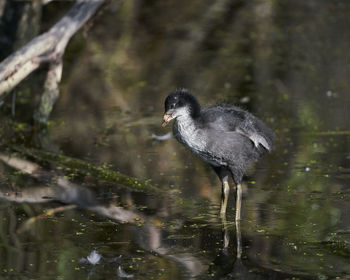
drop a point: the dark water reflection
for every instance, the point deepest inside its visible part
(286, 61)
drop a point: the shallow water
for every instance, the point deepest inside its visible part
(288, 63)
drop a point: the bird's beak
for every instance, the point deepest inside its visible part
(166, 118)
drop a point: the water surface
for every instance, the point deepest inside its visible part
(149, 208)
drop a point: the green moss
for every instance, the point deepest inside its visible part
(76, 167)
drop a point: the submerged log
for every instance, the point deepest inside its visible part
(77, 166)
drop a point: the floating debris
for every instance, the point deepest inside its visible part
(123, 274)
(93, 259)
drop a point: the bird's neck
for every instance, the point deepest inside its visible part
(186, 132)
(186, 123)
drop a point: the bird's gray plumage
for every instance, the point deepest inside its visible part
(220, 148)
(232, 118)
(226, 137)
(223, 135)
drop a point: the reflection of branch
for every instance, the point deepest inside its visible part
(65, 191)
(50, 212)
(46, 48)
(148, 234)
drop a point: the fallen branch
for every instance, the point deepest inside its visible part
(75, 166)
(46, 48)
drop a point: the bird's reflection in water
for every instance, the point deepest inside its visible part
(228, 261)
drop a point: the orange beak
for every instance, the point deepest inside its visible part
(166, 119)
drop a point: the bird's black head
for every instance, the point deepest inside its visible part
(180, 103)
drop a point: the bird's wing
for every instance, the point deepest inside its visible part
(255, 138)
(230, 118)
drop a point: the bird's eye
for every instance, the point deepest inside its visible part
(172, 106)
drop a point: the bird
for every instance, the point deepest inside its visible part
(227, 137)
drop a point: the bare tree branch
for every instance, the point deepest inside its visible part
(51, 92)
(46, 48)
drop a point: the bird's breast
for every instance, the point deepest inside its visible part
(189, 135)
(199, 141)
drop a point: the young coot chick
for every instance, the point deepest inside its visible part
(226, 137)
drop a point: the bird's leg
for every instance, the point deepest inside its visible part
(239, 239)
(224, 196)
(238, 202)
(226, 236)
